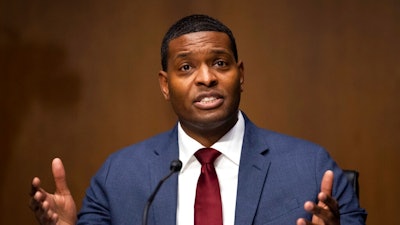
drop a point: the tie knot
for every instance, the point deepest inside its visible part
(207, 155)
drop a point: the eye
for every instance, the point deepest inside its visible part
(185, 67)
(220, 63)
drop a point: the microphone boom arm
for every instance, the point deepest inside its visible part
(176, 166)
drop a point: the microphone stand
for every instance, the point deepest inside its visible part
(175, 166)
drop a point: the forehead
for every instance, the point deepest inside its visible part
(203, 41)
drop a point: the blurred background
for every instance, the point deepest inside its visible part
(78, 80)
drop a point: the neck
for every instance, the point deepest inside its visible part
(209, 135)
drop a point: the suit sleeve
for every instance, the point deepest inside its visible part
(350, 211)
(95, 207)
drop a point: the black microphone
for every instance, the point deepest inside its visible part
(175, 166)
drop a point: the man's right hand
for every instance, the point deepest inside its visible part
(53, 209)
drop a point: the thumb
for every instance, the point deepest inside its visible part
(327, 183)
(59, 177)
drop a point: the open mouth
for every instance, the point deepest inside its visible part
(208, 102)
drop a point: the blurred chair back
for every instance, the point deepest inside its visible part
(352, 176)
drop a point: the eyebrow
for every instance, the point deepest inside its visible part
(182, 54)
(220, 51)
(217, 51)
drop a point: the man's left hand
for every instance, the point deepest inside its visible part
(326, 212)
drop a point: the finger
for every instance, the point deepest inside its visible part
(33, 190)
(302, 221)
(327, 199)
(330, 203)
(46, 215)
(36, 201)
(322, 213)
(49, 214)
(309, 205)
(34, 205)
(41, 215)
(54, 217)
(39, 197)
(59, 177)
(51, 217)
(44, 218)
(34, 186)
(327, 183)
(314, 209)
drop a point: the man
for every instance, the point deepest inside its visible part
(264, 177)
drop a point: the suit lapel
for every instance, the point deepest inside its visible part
(165, 203)
(253, 171)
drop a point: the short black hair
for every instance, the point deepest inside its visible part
(191, 24)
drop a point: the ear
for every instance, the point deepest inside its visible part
(241, 74)
(163, 80)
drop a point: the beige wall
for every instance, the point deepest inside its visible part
(79, 81)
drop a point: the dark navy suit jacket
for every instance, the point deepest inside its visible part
(277, 174)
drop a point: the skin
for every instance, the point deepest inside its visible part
(53, 209)
(327, 210)
(203, 82)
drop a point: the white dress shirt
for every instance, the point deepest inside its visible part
(226, 166)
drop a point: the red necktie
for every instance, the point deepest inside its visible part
(207, 206)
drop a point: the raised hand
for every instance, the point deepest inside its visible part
(53, 209)
(326, 212)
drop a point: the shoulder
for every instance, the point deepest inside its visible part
(276, 140)
(284, 149)
(126, 161)
(140, 154)
(146, 147)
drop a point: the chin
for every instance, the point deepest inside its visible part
(215, 120)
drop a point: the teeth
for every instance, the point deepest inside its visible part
(208, 99)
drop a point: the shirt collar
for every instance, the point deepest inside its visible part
(229, 145)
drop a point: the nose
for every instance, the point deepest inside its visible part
(205, 76)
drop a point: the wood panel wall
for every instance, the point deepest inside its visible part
(78, 80)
